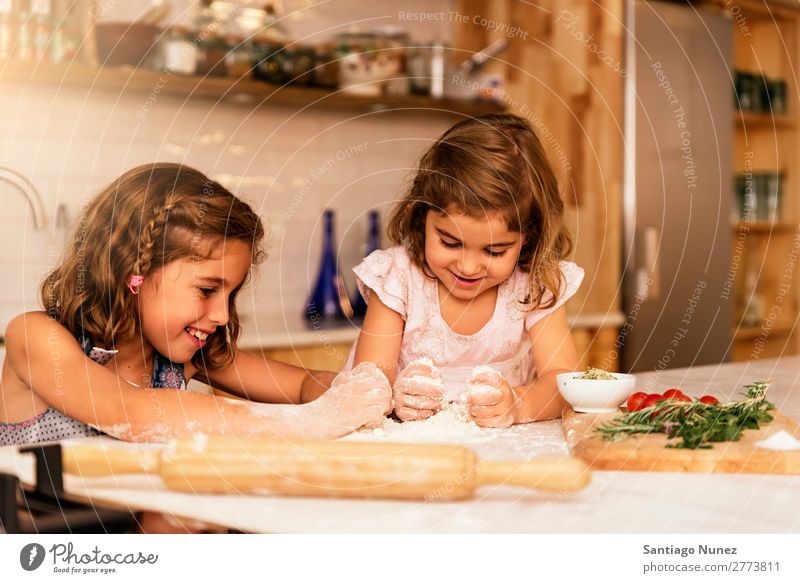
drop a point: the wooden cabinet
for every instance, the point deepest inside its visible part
(766, 245)
(328, 357)
(596, 347)
(331, 356)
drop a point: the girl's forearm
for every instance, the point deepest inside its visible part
(540, 400)
(157, 415)
(315, 384)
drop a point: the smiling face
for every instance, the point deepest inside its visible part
(187, 300)
(470, 255)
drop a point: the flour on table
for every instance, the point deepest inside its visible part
(452, 425)
(781, 440)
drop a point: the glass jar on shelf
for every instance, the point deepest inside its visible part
(368, 63)
(268, 62)
(748, 91)
(211, 57)
(239, 57)
(396, 38)
(747, 207)
(742, 186)
(298, 65)
(180, 51)
(760, 196)
(753, 303)
(777, 96)
(419, 70)
(758, 90)
(326, 66)
(773, 186)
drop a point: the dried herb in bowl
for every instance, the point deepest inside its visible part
(696, 424)
(596, 374)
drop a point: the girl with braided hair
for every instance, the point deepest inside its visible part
(143, 301)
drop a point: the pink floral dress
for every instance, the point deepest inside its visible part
(503, 343)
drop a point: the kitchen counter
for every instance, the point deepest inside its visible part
(258, 333)
(614, 502)
(295, 332)
(292, 332)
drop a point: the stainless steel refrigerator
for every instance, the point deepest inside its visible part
(678, 292)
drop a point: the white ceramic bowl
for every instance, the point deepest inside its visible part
(594, 395)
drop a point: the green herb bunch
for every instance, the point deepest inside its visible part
(696, 424)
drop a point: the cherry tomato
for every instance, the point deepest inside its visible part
(657, 401)
(635, 401)
(651, 400)
(709, 400)
(674, 394)
(681, 397)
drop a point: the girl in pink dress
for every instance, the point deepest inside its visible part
(478, 277)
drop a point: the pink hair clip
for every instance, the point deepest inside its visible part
(134, 283)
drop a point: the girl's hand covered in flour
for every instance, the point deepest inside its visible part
(361, 397)
(418, 391)
(492, 401)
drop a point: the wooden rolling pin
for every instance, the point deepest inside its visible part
(324, 468)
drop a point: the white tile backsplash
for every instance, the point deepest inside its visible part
(279, 160)
(289, 166)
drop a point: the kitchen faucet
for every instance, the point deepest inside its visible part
(28, 190)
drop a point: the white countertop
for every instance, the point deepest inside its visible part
(615, 502)
(293, 331)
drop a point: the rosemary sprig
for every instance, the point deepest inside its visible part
(696, 424)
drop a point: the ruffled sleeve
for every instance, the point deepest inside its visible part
(386, 273)
(573, 276)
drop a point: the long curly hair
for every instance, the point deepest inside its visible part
(491, 164)
(150, 216)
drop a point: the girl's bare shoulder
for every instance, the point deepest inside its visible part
(23, 328)
(27, 333)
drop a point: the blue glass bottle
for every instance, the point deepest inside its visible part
(328, 304)
(373, 244)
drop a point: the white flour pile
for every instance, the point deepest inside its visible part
(781, 441)
(452, 425)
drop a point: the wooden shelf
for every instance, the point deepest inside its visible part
(751, 333)
(130, 80)
(773, 12)
(768, 228)
(766, 37)
(764, 120)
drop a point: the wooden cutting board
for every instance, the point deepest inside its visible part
(648, 452)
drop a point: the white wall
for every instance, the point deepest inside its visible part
(70, 147)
